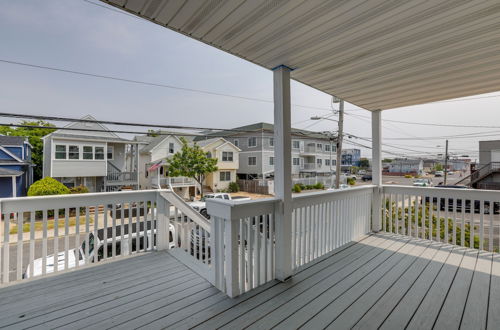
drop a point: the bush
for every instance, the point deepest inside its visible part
(351, 181)
(234, 187)
(319, 185)
(81, 189)
(47, 186)
(309, 187)
(408, 176)
(297, 188)
(302, 186)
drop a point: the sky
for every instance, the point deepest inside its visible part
(81, 36)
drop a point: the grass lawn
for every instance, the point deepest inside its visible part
(50, 225)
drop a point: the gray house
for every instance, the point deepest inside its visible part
(88, 154)
(486, 174)
(312, 153)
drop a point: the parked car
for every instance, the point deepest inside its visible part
(366, 177)
(201, 206)
(122, 247)
(438, 174)
(361, 172)
(422, 183)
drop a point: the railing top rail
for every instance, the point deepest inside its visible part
(175, 200)
(20, 204)
(238, 210)
(445, 192)
(301, 200)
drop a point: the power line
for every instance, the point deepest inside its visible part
(146, 83)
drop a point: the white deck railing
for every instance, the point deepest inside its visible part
(464, 217)
(52, 234)
(244, 233)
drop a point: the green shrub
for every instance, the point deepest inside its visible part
(309, 187)
(302, 186)
(408, 176)
(319, 185)
(234, 187)
(81, 189)
(47, 186)
(296, 188)
(351, 181)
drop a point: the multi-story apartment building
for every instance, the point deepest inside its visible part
(313, 154)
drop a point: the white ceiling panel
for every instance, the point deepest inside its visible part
(377, 54)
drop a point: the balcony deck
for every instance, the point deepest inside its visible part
(384, 280)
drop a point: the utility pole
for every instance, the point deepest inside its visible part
(339, 144)
(446, 163)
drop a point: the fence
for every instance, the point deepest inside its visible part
(258, 186)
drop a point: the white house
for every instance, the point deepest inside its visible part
(87, 153)
(406, 166)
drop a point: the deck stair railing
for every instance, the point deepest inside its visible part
(482, 172)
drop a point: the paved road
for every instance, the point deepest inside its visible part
(38, 252)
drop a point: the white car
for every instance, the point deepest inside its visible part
(201, 206)
(78, 256)
(422, 183)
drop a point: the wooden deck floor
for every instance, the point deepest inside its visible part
(384, 281)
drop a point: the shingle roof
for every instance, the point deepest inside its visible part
(265, 127)
(203, 143)
(12, 140)
(90, 137)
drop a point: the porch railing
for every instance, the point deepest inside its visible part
(464, 217)
(121, 177)
(244, 233)
(47, 235)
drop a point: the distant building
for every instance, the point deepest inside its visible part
(486, 174)
(406, 166)
(16, 168)
(350, 157)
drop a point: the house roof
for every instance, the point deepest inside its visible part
(90, 138)
(374, 54)
(9, 172)
(6, 140)
(265, 127)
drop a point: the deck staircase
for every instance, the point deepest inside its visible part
(116, 179)
(476, 178)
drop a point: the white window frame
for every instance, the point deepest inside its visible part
(227, 158)
(295, 142)
(252, 139)
(295, 161)
(253, 158)
(65, 151)
(91, 152)
(103, 153)
(271, 161)
(327, 147)
(108, 149)
(171, 148)
(77, 152)
(236, 142)
(225, 176)
(271, 142)
(319, 146)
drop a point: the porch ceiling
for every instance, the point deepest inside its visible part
(376, 54)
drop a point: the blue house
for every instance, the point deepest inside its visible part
(16, 168)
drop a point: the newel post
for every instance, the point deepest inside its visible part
(162, 222)
(376, 169)
(283, 172)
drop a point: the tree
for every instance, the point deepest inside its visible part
(192, 162)
(386, 160)
(34, 135)
(364, 163)
(438, 167)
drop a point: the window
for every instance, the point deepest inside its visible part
(327, 162)
(319, 146)
(236, 143)
(327, 147)
(295, 144)
(271, 142)
(110, 152)
(319, 161)
(227, 156)
(60, 152)
(252, 161)
(295, 161)
(225, 176)
(88, 152)
(252, 142)
(271, 161)
(171, 148)
(99, 153)
(73, 152)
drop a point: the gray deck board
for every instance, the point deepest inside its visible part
(384, 280)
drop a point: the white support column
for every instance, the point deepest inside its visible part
(14, 186)
(283, 172)
(376, 168)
